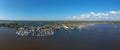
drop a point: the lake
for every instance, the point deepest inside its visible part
(96, 37)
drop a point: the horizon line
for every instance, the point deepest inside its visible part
(59, 20)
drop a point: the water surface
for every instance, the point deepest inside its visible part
(96, 37)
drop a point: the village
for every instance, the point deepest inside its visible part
(46, 30)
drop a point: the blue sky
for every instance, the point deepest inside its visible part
(59, 9)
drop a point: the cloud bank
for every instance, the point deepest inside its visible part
(111, 15)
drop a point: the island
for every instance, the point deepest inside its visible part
(48, 29)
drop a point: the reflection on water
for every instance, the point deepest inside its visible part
(97, 37)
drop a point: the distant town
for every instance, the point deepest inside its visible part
(48, 29)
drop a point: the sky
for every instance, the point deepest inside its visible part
(60, 10)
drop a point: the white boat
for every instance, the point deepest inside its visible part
(65, 26)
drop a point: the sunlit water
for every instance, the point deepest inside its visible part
(96, 37)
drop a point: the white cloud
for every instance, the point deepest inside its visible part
(2, 18)
(98, 16)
